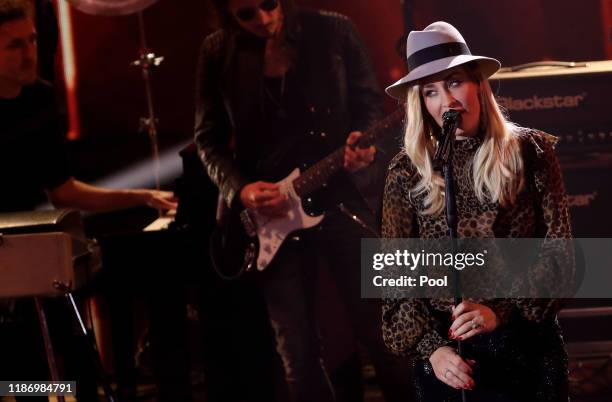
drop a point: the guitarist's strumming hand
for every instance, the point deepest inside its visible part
(265, 198)
(358, 158)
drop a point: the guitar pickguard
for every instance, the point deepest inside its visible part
(272, 232)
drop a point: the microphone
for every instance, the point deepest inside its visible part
(450, 121)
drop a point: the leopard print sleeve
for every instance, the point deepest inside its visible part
(554, 271)
(549, 183)
(397, 214)
(398, 220)
(408, 327)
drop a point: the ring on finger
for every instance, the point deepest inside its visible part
(446, 373)
(475, 325)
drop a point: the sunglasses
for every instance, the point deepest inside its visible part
(248, 13)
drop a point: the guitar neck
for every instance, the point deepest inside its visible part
(319, 174)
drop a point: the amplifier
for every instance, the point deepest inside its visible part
(564, 99)
(589, 195)
(44, 253)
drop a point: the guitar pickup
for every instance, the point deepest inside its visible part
(247, 222)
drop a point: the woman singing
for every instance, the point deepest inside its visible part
(508, 183)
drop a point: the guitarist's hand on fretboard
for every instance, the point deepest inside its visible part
(265, 198)
(355, 157)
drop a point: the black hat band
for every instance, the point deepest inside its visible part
(436, 52)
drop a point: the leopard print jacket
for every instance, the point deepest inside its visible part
(419, 326)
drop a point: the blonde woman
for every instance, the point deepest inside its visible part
(508, 183)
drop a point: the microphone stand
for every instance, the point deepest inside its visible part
(443, 161)
(147, 61)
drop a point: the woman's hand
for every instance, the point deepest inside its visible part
(471, 319)
(451, 369)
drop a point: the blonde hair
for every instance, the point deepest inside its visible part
(497, 167)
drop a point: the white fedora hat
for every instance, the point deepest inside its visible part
(438, 47)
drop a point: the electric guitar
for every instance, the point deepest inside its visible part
(244, 238)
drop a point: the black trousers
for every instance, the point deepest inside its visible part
(288, 289)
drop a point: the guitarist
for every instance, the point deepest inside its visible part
(278, 87)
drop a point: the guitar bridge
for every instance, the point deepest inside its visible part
(247, 222)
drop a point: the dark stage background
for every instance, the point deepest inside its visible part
(111, 93)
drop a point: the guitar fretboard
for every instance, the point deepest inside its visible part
(319, 174)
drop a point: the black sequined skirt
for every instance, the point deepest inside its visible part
(522, 362)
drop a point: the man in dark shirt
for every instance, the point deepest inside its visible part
(32, 151)
(278, 87)
(32, 155)
(33, 167)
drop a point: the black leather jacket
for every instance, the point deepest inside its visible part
(339, 91)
